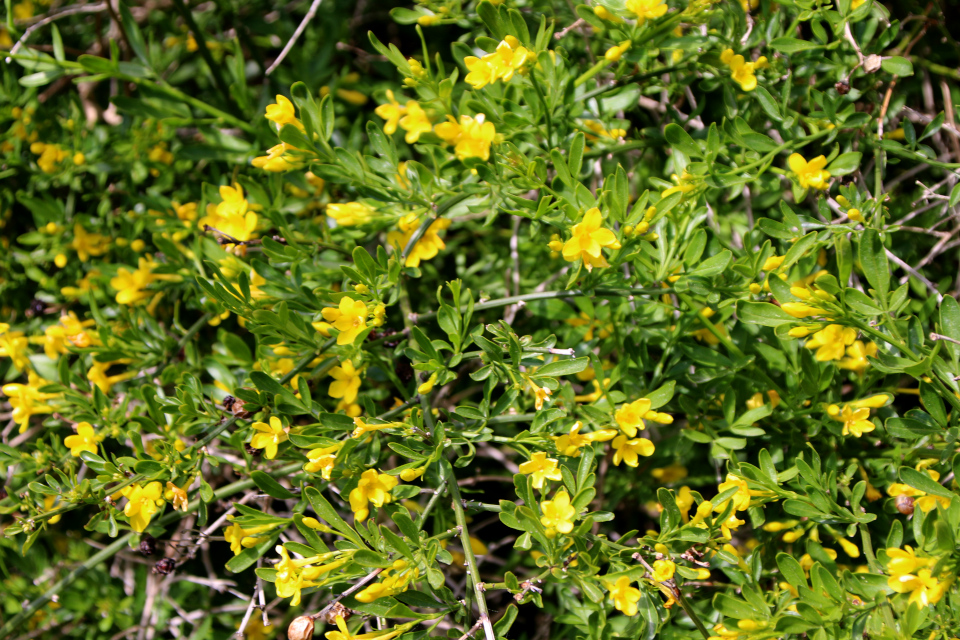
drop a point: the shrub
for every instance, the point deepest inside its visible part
(539, 320)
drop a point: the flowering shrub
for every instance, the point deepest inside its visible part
(499, 319)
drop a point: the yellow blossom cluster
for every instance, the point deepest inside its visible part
(427, 247)
(394, 580)
(374, 488)
(509, 58)
(743, 72)
(296, 575)
(910, 573)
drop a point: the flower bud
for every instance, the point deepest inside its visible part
(855, 215)
(301, 628)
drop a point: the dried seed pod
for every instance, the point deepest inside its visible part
(148, 544)
(165, 567)
(905, 505)
(842, 87)
(337, 609)
(300, 629)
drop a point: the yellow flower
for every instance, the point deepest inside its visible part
(541, 468)
(283, 113)
(604, 14)
(97, 374)
(800, 310)
(831, 342)
(427, 386)
(509, 58)
(924, 589)
(346, 382)
(625, 597)
(391, 112)
(856, 358)
(231, 216)
(373, 488)
(810, 174)
(904, 561)
(628, 450)
(240, 538)
(616, 52)
(14, 345)
(849, 548)
(741, 499)
(322, 460)
(663, 570)
(646, 9)
(88, 244)
(671, 474)
(429, 244)
(571, 443)
(277, 159)
(743, 72)
(350, 213)
(558, 514)
(85, 440)
(50, 156)
(177, 496)
(350, 319)
(394, 580)
(855, 421)
(142, 504)
(415, 122)
(540, 394)
(588, 238)
(27, 399)
(158, 153)
(471, 137)
(362, 428)
(269, 436)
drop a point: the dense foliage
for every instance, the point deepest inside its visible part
(497, 319)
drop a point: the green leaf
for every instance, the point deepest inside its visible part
(845, 164)
(681, 141)
(925, 483)
(873, 261)
(270, 486)
(950, 325)
(330, 515)
(897, 65)
(662, 395)
(763, 313)
(562, 368)
(134, 35)
(792, 45)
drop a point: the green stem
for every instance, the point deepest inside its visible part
(468, 549)
(691, 613)
(546, 107)
(548, 295)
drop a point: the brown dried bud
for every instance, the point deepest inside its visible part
(148, 544)
(905, 505)
(842, 87)
(336, 609)
(300, 629)
(165, 567)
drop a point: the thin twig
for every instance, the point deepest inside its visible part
(916, 274)
(356, 587)
(311, 12)
(67, 11)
